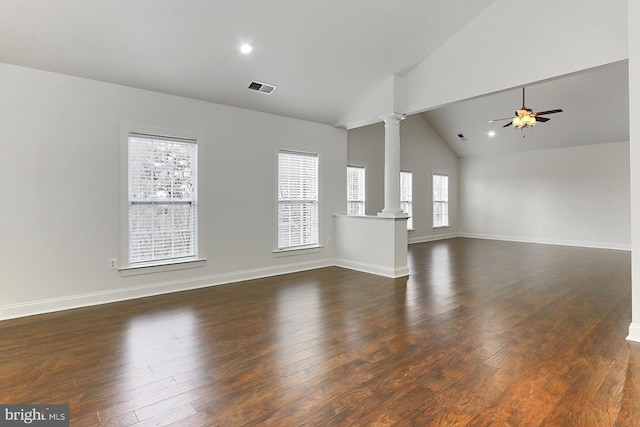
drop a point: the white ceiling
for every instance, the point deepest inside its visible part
(325, 57)
(595, 106)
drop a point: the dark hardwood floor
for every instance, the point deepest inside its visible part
(483, 333)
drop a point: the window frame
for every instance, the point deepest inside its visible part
(409, 202)
(288, 250)
(444, 202)
(198, 260)
(361, 202)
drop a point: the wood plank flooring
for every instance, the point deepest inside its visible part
(483, 333)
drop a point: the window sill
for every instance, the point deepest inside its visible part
(297, 251)
(440, 227)
(149, 268)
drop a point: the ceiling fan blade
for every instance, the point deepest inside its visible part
(499, 120)
(542, 119)
(508, 124)
(541, 113)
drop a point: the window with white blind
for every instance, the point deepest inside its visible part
(162, 191)
(440, 200)
(297, 199)
(355, 190)
(406, 196)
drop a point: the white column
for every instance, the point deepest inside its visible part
(634, 156)
(392, 165)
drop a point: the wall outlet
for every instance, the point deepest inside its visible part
(542, 228)
(113, 263)
(328, 242)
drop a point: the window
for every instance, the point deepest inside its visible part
(406, 196)
(355, 190)
(297, 199)
(161, 199)
(440, 200)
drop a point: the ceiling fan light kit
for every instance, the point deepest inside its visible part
(525, 117)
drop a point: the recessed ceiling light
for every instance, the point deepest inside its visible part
(246, 48)
(491, 133)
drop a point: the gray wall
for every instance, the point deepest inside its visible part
(61, 174)
(422, 152)
(572, 196)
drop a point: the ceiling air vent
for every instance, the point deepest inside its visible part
(262, 87)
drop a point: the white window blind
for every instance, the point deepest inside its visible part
(440, 200)
(162, 198)
(297, 199)
(355, 190)
(406, 196)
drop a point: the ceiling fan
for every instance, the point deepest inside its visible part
(525, 117)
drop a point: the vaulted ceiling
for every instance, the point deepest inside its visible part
(595, 106)
(324, 58)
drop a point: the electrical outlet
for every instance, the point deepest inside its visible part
(113, 263)
(328, 242)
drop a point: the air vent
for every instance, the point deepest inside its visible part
(262, 87)
(461, 136)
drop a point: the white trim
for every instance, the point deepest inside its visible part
(141, 129)
(297, 250)
(410, 213)
(276, 177)
(363, 201)
(634, 332)
(133, 270)
(559, 242)
(373, 269)
(31, 308)
(432, 238)
(433, 202)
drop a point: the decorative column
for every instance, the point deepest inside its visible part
(392, 165)
(378, 244)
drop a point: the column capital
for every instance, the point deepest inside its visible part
(393, 118)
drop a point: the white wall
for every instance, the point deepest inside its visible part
(422, 152)
(571, 196)
(634, 132)
(488, 55)
(60, 222)
(373, 244)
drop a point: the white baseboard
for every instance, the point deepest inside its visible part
(574, 243)
(634, 332)
(31, 308)
(432, 238)
(373, 269)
